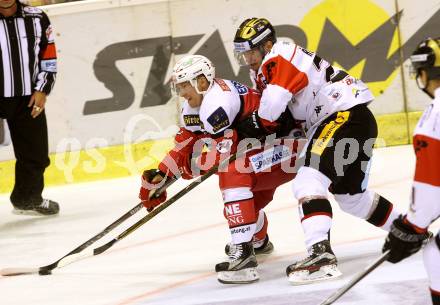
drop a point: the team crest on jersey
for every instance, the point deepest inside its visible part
(218, 119)
(419, 145)
(242, 89)
(191, 120)
(270, 66)
(335, 95)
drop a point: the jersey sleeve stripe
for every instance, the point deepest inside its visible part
(293, 55)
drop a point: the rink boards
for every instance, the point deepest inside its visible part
(111, 113)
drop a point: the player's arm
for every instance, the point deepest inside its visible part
(218, 115)
(174, 165)
(425, 207)
(408, 233)
(284, 80)
(47, 58)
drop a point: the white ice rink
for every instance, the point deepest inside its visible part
(171, 259)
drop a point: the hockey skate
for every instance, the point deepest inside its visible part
(241, 267)
(265, 249)
(321, 265)
(44, 208)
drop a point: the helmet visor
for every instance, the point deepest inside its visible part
(413, 72)
(248, 58)
(179, 89)
(417, 61)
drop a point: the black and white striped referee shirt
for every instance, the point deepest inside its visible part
(27, 53)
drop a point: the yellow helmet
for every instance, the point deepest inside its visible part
(427, 57)
(252, 33)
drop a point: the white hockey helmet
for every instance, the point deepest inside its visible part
(189, 68)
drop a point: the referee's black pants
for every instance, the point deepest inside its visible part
(29, 138)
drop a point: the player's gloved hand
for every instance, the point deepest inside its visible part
(251, 127)
(403, 240)
(150, 182)
(285, 124)
(255, 127)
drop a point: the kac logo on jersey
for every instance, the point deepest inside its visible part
(241, 89)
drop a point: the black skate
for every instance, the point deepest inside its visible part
(321, 265)
(241, 267)
(44, 208)
(265, 249)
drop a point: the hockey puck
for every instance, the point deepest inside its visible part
(44, 272)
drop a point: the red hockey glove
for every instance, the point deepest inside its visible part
(151, 180)
(178, 160)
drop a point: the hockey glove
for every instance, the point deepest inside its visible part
(285, 124)
(255, 127)
(403, 240)
(151, 180)
(251, 127)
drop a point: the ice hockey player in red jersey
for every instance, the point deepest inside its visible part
(211, 111)
(341, 132)
(410, 232)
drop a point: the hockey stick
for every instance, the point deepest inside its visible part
(160, 208)
(341, 291)
(157, 210)
(75, 254)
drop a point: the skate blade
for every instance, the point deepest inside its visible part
(30, 213)
(325, 273)
(244, 276)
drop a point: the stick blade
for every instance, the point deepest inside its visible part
(18, 271)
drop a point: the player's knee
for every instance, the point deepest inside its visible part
(359, 205)
(239, 208)
(380, 212)
(310, 182)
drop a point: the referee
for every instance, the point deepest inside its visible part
(27, 74)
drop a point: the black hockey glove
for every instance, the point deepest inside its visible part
(286, 123)
(251, 127)
(403, 241)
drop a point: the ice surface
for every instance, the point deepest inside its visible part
(170, 260)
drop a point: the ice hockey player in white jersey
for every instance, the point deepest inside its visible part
(341, 132)
(410, 232)
(211, 110)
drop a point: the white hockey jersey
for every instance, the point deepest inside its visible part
(225, 102)
(291, 76)
(425, 205)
